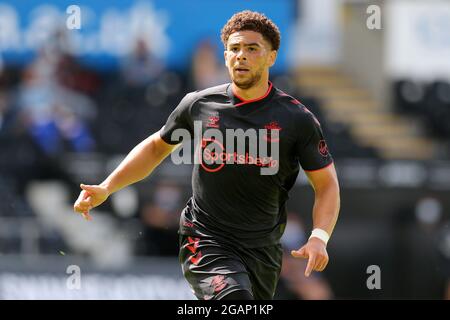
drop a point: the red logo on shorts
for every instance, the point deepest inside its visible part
(188, 224)
(192, 247)
(323, 148)
(218, 283)
(213, 122)
(193, 244)
(196, 259)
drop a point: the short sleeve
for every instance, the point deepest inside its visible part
(180, 118)
(311, 148)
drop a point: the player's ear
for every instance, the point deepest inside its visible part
(225, 57)
(272, 57)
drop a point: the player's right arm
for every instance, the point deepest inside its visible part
(137, 165)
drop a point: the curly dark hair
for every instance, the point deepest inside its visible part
(253, 21)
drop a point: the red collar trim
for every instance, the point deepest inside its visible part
(252, 100)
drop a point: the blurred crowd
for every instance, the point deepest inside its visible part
(427, 100)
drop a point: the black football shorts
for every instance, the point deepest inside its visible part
(215, 269)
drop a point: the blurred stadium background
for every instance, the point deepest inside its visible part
(73, 102)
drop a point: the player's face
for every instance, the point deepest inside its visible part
(248, 58)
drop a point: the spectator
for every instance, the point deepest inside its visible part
(53, 115)
(207, 71)
(141, 67)
(293, 283)
(160, 217)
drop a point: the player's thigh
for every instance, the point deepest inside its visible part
(211, 269)
(264, 266)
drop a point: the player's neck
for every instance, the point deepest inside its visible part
(255, 92)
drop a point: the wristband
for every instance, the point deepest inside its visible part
(321, 234)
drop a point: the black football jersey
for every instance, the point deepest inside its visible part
(232, 200)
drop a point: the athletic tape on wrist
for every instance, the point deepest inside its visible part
(321, 234)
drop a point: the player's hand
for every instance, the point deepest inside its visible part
(316, 253)
(90, 197)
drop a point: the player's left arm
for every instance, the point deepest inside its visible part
(325, 213)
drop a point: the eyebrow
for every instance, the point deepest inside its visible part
(245, 45)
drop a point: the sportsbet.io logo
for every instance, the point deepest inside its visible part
(209, 155)
(259, 148)
(213, 157)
